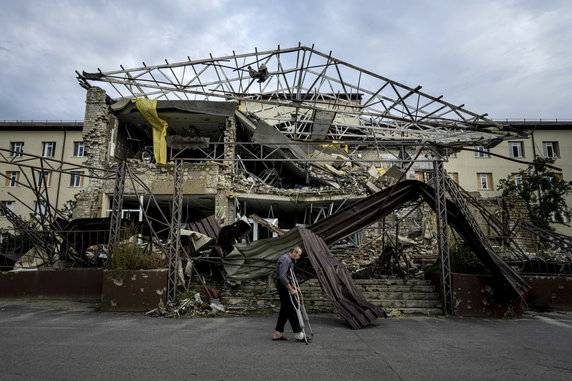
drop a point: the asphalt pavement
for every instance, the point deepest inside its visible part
(62, 341)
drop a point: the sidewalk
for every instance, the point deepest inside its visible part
(73, 341)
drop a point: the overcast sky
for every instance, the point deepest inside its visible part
(510, 59)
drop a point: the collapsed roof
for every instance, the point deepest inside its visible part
(307, 95)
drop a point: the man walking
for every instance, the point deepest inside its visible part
(285, 287)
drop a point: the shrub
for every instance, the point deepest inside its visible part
(127, 254)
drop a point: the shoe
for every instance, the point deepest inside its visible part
(281, 338)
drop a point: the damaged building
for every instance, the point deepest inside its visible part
(240, 157)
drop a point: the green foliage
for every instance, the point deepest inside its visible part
(68, 207)
(19, 241)
(128, 254)
(542, 192)
(464, 261)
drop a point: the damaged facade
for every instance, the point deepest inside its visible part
(214, 156)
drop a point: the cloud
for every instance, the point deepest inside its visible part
(508, 58)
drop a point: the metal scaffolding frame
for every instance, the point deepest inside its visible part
(175, 231)
(307, 95)
(440, 186)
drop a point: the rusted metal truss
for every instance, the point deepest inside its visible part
(440, 186)
(371, 209)
(175, 231)
(307, 95)
(49, 222)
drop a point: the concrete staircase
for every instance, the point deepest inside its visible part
(397, 296)
(402, 296)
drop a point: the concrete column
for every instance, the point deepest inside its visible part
(224, 203)
(98, 122)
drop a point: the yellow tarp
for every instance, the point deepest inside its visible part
(148, 108)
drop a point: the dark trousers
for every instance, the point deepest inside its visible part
(287, 310)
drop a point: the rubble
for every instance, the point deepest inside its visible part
(189, 305)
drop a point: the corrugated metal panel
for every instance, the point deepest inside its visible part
(337, 283)
(207, 226)
(257, 259)
(366, 211)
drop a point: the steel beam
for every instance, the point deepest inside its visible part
(175, 231)
(443, 237)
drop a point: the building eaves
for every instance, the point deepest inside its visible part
(41, 125)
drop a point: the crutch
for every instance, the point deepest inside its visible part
(301, 313)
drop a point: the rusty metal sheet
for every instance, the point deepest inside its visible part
(337, 283)
(366, 211)
(207, 226)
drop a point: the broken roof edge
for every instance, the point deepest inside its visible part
(219, 108)
(226, 86)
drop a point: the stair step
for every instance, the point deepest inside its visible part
(381, 289)
(400, 282)
(395, 312)
(409, 295)
(396, 288)
(406, 303)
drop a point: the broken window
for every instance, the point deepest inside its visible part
(260, 231)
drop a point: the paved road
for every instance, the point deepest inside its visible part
(40, 341)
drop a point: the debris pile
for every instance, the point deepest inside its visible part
(191, 304)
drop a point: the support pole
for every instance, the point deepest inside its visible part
(442, 237)
(175, 231)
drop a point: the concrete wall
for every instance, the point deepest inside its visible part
(52, 284)
(474, 295)
(140, 290)
(549, 292)
(59, 189)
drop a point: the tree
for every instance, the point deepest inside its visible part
(542, 191)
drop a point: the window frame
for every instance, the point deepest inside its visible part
(78, 146)
(39, 208)
(488, 177)
(517, 179)
(12, 208)
(554, 147)
(17, 149)
(76, 179)
(519, 148)
(482, 152)
(45, 179)
(12, 179)
(50, 147)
